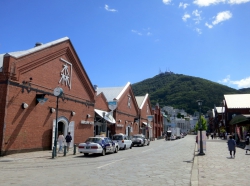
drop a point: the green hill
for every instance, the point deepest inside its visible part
(182, 91)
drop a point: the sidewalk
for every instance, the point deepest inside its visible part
(217, 168)
(35, 156)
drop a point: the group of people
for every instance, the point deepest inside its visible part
(61, 140)
(232, 145)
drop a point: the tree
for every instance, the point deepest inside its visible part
(203, 124)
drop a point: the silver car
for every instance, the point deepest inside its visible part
(140, 140)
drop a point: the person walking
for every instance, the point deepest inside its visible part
(61, 142)
(68, 139)
(247, 147)
(212, 135)
(231, 146)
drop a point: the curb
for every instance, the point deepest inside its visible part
(195, 172)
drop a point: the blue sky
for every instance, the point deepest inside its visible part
(120, 41)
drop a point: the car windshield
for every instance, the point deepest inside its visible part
(117, 137)
(94, 140)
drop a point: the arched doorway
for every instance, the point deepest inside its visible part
(63, 125)
(61, 128)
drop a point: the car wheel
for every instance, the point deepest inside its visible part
(124, 147)
(148, 143)
(116, 149)
(103, 152)
(86, 154)
(131, 146)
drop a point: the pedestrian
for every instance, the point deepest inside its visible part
(61, 142)
(231, 146)
(212, 135)
(68, 139)
(247, 147)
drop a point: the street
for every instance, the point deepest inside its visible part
(161, 163)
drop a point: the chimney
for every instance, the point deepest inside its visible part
(38, 44)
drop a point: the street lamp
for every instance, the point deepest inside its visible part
(57, 92)
(200, 128)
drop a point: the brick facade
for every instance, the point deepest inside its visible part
(37, 73)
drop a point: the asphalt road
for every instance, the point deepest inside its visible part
(160, 163)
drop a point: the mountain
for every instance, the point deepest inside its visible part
(182, 91)
(244, 90)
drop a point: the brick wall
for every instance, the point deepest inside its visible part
(31, 128)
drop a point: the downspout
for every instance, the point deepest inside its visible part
(5, 117)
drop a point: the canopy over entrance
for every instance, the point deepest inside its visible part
(105, 115)
(147, 124)
(239, 119)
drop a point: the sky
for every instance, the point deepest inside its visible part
(120, 41)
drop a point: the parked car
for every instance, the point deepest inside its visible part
(140, 140)
(123, 141)
(99, 145)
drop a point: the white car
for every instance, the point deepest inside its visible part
(99, 145)
(123, 141)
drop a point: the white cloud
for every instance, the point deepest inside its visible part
(238, 1)
(208, 2)
(243, 83)
(110, 10)
(208, 25)
(183, 5)
(136, 32)
(198, 30)
(222, 16)
(225, 80)
(144, 32)
(197, 15)
(166, 2)
(185, 17)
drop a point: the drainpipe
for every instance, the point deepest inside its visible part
(5, 117)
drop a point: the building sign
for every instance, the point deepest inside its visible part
(112, 105)
(150, 117)
(87, 122)
(119, 125)
(66, 74)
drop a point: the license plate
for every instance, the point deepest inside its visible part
(88, 147)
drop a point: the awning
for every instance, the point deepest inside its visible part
(107, 115)
(147, 125)
(239, 119)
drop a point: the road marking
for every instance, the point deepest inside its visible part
(109, 163)
(146, 150)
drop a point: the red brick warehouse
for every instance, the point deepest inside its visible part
(30, 76)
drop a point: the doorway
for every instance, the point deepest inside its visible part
(61, 128)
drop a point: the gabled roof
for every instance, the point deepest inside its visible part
(113, 93)
(29, 51)
(141, 100)
(237, 101)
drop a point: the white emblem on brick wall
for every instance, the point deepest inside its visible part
(129, 101)
(66, 74)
